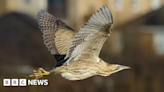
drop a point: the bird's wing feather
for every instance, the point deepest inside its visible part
(88, 42)
(57, 35)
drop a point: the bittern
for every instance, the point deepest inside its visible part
(77, 53)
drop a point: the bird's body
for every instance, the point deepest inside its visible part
(76, 72)
(83, 69)
(77, 53)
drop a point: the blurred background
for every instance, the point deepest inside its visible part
(137, 41)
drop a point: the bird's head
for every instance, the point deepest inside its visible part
(113, 68)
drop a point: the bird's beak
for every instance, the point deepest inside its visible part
(125, 67)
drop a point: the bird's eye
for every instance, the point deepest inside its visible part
(118, 67)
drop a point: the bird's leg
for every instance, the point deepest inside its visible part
(39, 73)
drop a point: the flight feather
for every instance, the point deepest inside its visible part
(57, 35)
(88, 42)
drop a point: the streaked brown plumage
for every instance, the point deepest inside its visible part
(79, 51)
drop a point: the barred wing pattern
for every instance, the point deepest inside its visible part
(88, 42)
(57, 35)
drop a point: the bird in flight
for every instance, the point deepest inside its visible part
(77, 53)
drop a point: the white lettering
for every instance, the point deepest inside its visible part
(35, 82)
(45, 82)
(30, 82)
(22, 82)
(38, 82)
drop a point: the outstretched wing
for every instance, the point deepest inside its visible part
(57, 35)
(89, 40)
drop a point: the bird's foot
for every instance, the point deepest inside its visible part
(39, 73)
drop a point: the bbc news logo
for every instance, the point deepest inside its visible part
(24, 82)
